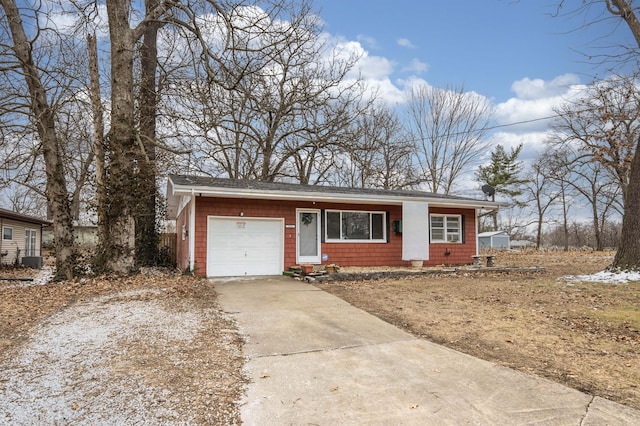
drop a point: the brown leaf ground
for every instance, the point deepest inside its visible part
(584, 335)
(216, 354)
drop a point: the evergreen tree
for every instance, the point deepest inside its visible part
(503, 174)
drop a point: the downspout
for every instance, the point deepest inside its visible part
(477, 239)
(192, 230)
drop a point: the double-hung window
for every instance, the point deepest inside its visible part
(7, 233)
(446, 228)
(355, 226)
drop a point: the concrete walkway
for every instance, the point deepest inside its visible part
(313, 359)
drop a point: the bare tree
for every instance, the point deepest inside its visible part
(592, 182)
(604, 125)
(44, 117)
(560, 177)
(628, 254)
(270, 102)
(448, 126)
(541, 194)
(379, 153)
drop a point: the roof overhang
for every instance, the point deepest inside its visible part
(176, 191)
(8, 214)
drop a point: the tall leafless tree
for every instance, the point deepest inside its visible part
(540, 192)
(269, 103)
(604, 125)
(591, 182)
(45, 122)
(448, 125)
(628, 254)
(379, 153)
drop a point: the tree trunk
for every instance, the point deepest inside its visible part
(56, 190)
(628, 254)
(98, 131)
(146, 233)
(116, 250)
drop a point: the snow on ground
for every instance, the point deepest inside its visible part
(77, 368)
(619, 277)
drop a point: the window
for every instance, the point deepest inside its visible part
(7, 233)
(355, 226)
(29, 242)
(446, 228)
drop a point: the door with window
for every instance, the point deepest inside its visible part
(30, 242)
(308, 244)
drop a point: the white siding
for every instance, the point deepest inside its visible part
(415, 231)
(9, 248)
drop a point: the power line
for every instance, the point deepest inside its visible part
(515, 123)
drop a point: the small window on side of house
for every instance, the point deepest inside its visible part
(446, 228)
(7, 233)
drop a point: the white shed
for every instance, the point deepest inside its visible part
(493, 240)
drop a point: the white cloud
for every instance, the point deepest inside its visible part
(533, 107)
(527, 88)
(374, 67)
(416, 66)
(370, 42)
(405, 42)
(67, 18)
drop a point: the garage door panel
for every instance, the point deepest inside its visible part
(245, 246)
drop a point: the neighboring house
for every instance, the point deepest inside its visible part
(85, 236)
(497, 240)
(21, 241)
(231, 227)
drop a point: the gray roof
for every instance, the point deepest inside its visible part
(184, 185)
(23, 217)
(205, 181)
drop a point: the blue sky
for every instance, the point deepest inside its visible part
(487, 45)
(512, 52)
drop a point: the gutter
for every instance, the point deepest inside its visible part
(332, 197)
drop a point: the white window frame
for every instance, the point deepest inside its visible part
(342, 240)
(445, 228)
(32, 236)
(3, 229)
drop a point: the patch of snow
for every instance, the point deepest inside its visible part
(59, 376)
(618, 277)
(44, 276)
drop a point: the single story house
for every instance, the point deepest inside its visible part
(21, 241)
(85, 236)
(497, 240)
(228, 227)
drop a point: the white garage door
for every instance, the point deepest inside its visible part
(244, 246)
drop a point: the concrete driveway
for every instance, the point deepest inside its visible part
(314, 359)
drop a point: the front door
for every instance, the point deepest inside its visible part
(308, 247)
